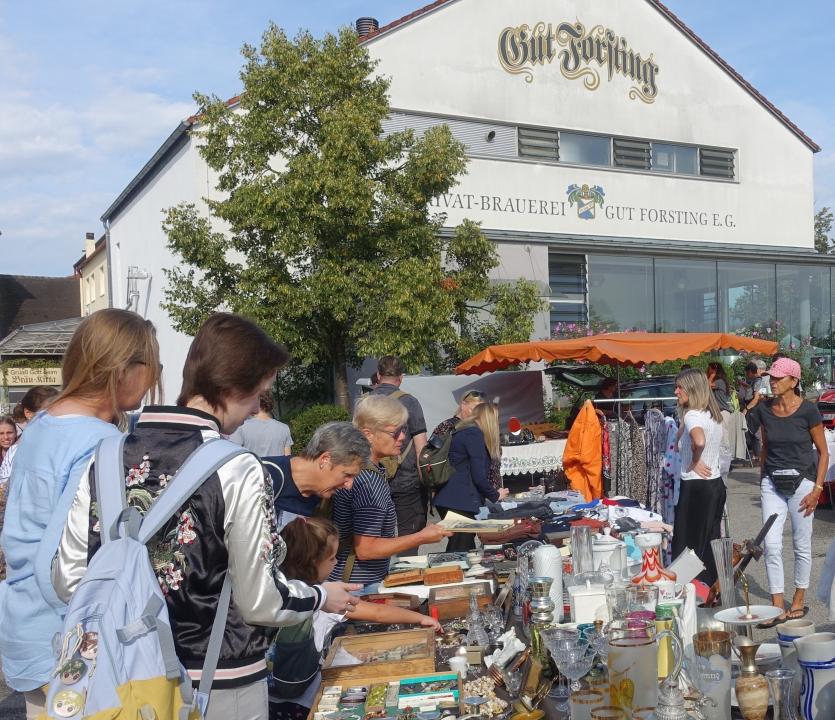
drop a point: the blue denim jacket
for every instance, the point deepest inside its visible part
(52, 454)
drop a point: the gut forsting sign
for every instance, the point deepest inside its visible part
(585, 203)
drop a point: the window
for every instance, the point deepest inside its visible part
(101, 282)
(621, 293)
(584, 149)
(746, 296)
(538, 144)
(717, 163)
(685, 295)
(678, 159)
(804, 313)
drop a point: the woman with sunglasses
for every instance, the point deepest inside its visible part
(470, 484)
(365, 514)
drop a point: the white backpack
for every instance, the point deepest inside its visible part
(116, 657)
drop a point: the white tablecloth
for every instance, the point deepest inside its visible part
(830, 445)
(536, 457)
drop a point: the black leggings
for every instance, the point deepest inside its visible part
(699, 520)
(459, 542)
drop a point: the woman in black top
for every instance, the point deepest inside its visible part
(718, 380)
(791, 480)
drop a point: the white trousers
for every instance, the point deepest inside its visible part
(773, 502)
(244, 703)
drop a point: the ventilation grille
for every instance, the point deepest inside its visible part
(634, 154)
(539, 144)
(717, 163)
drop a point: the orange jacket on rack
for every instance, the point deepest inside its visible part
(582, 459)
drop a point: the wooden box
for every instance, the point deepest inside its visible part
(367, 680)
(454, 601)
(405, 653)
(401, 600)
(443, 575)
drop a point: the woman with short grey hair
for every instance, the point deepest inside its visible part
(336, 453)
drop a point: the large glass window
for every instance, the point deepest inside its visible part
(621, 293)
(685, 295)
(804, 313)
(746, 297)
(675, 159)
(584, 149)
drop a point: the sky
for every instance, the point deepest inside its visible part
(90, 89)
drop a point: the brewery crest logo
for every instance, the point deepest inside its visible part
(522, 48)
(587, 199)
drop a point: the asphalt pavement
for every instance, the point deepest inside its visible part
(745, 513)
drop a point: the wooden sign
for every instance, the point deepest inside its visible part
(22, 376)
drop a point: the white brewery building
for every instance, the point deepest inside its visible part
(614, 158)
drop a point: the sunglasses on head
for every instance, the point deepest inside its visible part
(474, 395)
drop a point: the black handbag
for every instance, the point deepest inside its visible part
(295, 660)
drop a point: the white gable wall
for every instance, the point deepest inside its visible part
(446, 63)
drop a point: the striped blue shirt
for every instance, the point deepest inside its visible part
(365, 509)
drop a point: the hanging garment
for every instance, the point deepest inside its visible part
(582, 459)
(639, 461)
(655, 438)
(671, 473)
(620, 443)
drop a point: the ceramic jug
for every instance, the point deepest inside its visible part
(787, 632)
(816, 657)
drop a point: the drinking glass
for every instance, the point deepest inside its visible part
(552, 637)
(641, 597)
(616, 601)
(574, 661)
(608, 712)
(512, 682)
(581, 549)
(583, 701)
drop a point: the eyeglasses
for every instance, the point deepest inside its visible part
(394, 434)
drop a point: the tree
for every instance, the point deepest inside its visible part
(328, 240)
(823, 226)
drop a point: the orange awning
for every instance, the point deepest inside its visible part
(610, 348)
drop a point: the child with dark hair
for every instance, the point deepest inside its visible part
(312, 544)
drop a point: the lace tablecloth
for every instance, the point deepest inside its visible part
(536, 457)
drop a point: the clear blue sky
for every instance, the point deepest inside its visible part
(89, 89)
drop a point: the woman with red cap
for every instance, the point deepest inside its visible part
(791, 481)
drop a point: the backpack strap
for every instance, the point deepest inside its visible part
(110, 485)
(203, 462)
(201, 696)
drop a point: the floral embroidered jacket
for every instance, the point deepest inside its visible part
(228, 523)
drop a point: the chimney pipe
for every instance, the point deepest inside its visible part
(367, 25)
(89, 244)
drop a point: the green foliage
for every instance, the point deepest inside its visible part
(303, 425)
(329, 241)
(823, 226)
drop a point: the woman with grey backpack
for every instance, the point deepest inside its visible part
(226, 528)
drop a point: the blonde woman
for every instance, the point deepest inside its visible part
(486, 416)
(469, 401)
(702, 495)
(365, 514)
(469, 485)
(111, 362)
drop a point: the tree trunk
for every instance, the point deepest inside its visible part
(340, 378)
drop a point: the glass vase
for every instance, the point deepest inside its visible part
(780, 684)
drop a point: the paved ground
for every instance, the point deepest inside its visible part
(745, 514)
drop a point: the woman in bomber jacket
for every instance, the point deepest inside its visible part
(228, 524)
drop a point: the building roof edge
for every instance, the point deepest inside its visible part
(674, 19)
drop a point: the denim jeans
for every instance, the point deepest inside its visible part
(774, 502)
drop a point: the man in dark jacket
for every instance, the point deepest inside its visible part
(410, 499)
